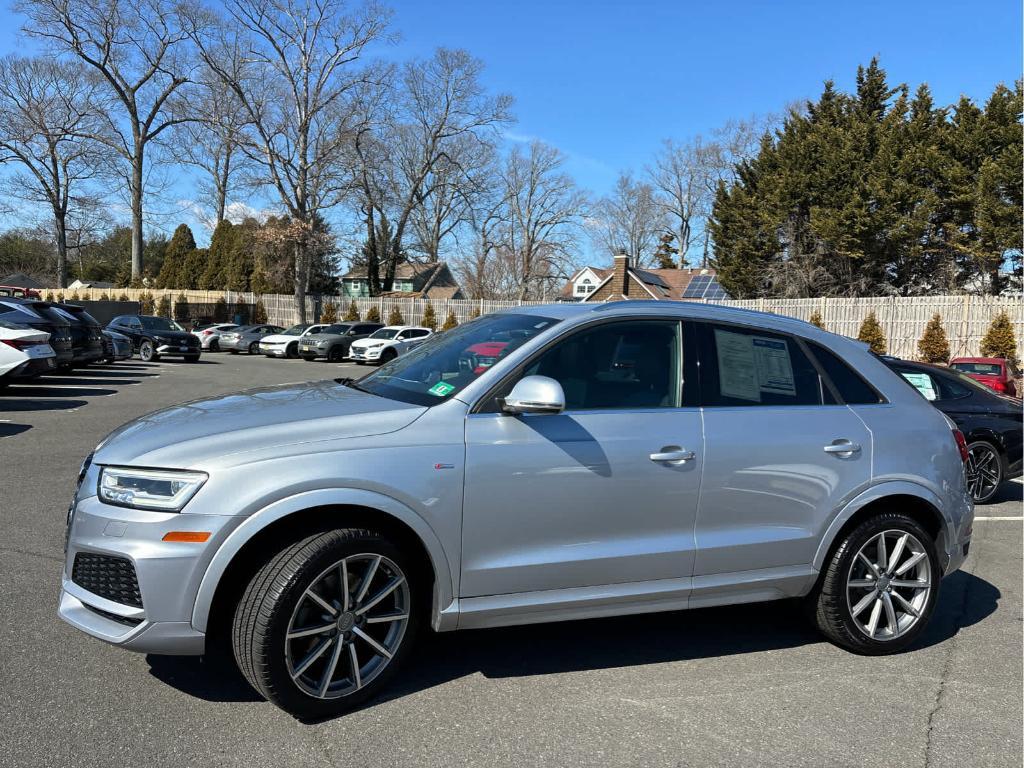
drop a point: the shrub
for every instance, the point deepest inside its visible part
(352, 315)
(220, 310)
(999, 340)
(816, 320)
(181, 308)
(450, 321)
(259, 312)
(329, 313)
(163, 307)
(73, 296)
(104, 296)
(872, 334)
(933, 346)
(147, 306)
(395, 317)
(50, 296)
(429, 318)
(475, 313)
(123, 297)
(373, 315)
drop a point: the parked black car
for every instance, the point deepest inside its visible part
(334, 340)
(39, 315)
(991, 422)
(156, 337)
(86, 334)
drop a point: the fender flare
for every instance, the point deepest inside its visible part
(872, 494)
(256, 522)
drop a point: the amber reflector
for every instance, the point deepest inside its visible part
(195, 537)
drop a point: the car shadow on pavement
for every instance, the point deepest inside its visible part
(10, 430)
(10, 404)
(1008, 491)
(572, 646)
(43, 390)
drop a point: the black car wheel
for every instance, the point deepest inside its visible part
(214, 345)
(147, 352)
(334, 355)
(254, 348)
(292, 350)
(387, 356)
(984, 471)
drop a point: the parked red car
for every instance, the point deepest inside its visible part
(995, 373)
(17, 292)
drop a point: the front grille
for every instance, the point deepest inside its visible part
(110, 577)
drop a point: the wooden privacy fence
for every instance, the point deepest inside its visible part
(965, 317)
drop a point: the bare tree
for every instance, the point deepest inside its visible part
(437, 112)
(631, 219)
(682, 178)
(296, 81)
(140, 50)
(49, 112)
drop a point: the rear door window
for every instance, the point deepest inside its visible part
(743, 366)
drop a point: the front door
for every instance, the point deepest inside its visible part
(583, 498)
(778, 459)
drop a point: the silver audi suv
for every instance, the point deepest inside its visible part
(540, 464)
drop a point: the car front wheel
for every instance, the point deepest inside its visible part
(147, 352)
(324, 625)
(879, 587)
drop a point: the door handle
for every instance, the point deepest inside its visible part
(842, 447)
(671, 454)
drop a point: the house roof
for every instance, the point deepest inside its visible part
(21, 280)
(687, 283)
(600, 272)
(404, 271)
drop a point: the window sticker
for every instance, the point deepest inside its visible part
(737, 368)
(923, 383)
(774, 368)
(442, 389)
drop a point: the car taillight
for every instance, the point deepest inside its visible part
(998, 386)
(961, 443)
(207, 333)
(20, 343)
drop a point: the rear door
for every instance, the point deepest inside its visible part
(780, 457)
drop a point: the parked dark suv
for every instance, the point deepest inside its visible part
(156, 337)
(86, 334)
(40, 315)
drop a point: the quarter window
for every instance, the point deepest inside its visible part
(851, 387)
(751, 367)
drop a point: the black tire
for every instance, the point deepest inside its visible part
(387, 356)
(334, 354)
(147, 352)
(191, 358)
(214, 345)
(830, 601)
(292, 350)
(984, 488)
(360, 362)
(265, 610)
(308, 359)
(254, 348)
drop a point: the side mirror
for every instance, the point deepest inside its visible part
(535, 394)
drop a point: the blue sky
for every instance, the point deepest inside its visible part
(607, 81)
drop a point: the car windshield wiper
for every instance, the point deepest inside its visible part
(348, 381)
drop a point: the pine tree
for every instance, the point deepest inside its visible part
(666, 252)
(450, 321)
(871, 333)
(104, 296)
(999, 339)
(429, 318)
(163, 307)
(259, 312)
(73, 296)
(147, 305)
(220, 310)
(373, 315)
(395, 317)
(329, 313)
(933, 346)
(816, 319)
(181, 309)
(193, 268)
(215, 273)
(49, 296)
(352, 314)
(181, 245)
(123, 297)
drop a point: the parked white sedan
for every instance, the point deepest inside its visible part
(24, 353)
(286, 344)
(388, 343)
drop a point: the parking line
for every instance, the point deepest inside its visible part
(998, 519)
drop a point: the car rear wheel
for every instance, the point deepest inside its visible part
(254, 348)
(324, 625)
(879, 587)
(147, 352)
(984, 471)
(214, 345)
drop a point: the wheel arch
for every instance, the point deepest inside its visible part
(264, 532)
(908, 498)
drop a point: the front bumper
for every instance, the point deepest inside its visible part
(170, 350)
(312, 352)
(358, 353)
(274, 350)
(168, 575)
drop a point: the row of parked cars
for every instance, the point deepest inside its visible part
(360, 342)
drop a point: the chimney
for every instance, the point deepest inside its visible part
(620, 279)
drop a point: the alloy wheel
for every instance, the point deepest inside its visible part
(347, 626)
(984, 472)
(889, 584)
(146, 351)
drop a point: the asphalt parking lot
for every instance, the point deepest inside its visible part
(747, 685)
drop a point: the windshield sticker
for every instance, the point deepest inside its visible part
(441, 389)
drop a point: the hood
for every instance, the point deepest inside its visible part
(368, 342)
(277, 338)
(191, 434)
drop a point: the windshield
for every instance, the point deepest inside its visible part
(295, 330)
(336, 329)
(159, 324)
(447, 362)
(384, 333)
(982, 369)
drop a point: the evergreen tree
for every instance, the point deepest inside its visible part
(352, 314)
(933, 346)
(373, 315)
(50, 296)
(163, 307)
(181, 245)
(999, 339)
(395, 317)
(147, 306)
(182, 311)
(666, 252)
(330, 313)
(871, 333)
(215, 272)
(193, 268)
(429, 318)
(259, 312)
(450, 321)
(220, 310)
(104, 296)
(123, 297)
(816, 319)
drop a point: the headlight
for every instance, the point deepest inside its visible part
(377, 345)
(165, 490)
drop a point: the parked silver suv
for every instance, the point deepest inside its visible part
(546, 463)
